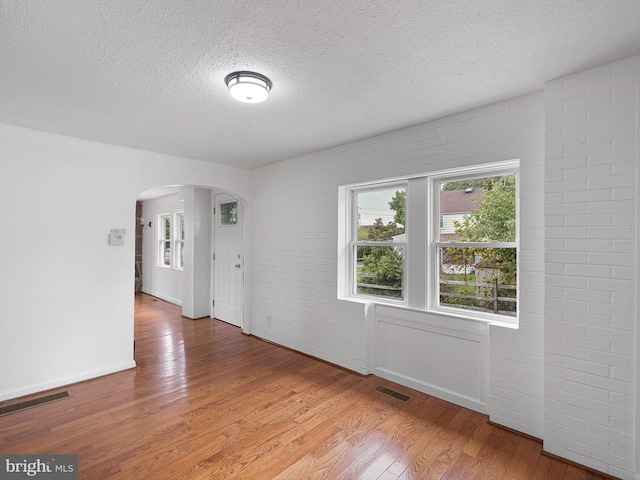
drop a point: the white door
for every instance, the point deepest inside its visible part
(228, 265)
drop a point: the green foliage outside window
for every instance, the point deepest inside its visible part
(483, 278)
(382, 266)
(476, 278)
(494, 219)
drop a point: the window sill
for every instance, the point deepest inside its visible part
(168, 267)
(493, 320)
(376, 301)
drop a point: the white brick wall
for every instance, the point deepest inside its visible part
(567, 375)
(295, 215)
(516, 374)
(590, 266)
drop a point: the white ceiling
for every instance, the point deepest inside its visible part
(150, 74)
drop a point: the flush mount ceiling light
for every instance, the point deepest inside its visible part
(248, 87)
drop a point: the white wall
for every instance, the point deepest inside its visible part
(66, 296)
(442, 356)
(162, 282)
(295, 256)
(591, 267)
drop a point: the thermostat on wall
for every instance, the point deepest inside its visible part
(116, 237)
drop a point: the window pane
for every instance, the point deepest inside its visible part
(167, 253)
(478, 210)
(381, 214)
(481, 279)
(380, 271)
(180, 254)
(229, 213)
(166, 227)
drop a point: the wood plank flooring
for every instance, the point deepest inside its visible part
(207, 402)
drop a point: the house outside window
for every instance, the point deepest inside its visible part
(475, 245)
(444, 242)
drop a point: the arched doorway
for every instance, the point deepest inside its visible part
(180, 236)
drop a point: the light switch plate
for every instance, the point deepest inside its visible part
(116, 239)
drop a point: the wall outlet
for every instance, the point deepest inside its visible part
(268, 319)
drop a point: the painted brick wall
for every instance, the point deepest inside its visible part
(516, 382)
(295, 211)
(590, 266)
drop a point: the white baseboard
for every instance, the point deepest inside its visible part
(61, 382)
(433, 390)
(166, 298)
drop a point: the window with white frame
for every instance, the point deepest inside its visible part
(179, 240)
(171, 240)
(445, 242)
(378, 241)
(164, 236)
(474, 247)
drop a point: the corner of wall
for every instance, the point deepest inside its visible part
(591, 241)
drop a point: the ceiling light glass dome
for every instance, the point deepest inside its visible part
(248, 87)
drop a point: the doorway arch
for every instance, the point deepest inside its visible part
(197, 276)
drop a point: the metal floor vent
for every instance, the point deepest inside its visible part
(392, 393)
(34, 402)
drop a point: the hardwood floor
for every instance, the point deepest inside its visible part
(208, 402)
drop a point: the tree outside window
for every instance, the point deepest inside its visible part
(462, 242)
(479, 277)
(380, 249)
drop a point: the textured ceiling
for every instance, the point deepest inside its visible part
(150, 73)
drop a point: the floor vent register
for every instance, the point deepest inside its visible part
(34, 402)
(392, 393)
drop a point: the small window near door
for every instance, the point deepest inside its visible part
(229, 213)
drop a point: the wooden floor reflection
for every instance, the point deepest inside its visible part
(207, 402)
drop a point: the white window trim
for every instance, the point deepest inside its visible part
(420, 287)
(162, 239)
(354, 243)
(173, 239)
(501, 169)
(178, 239)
